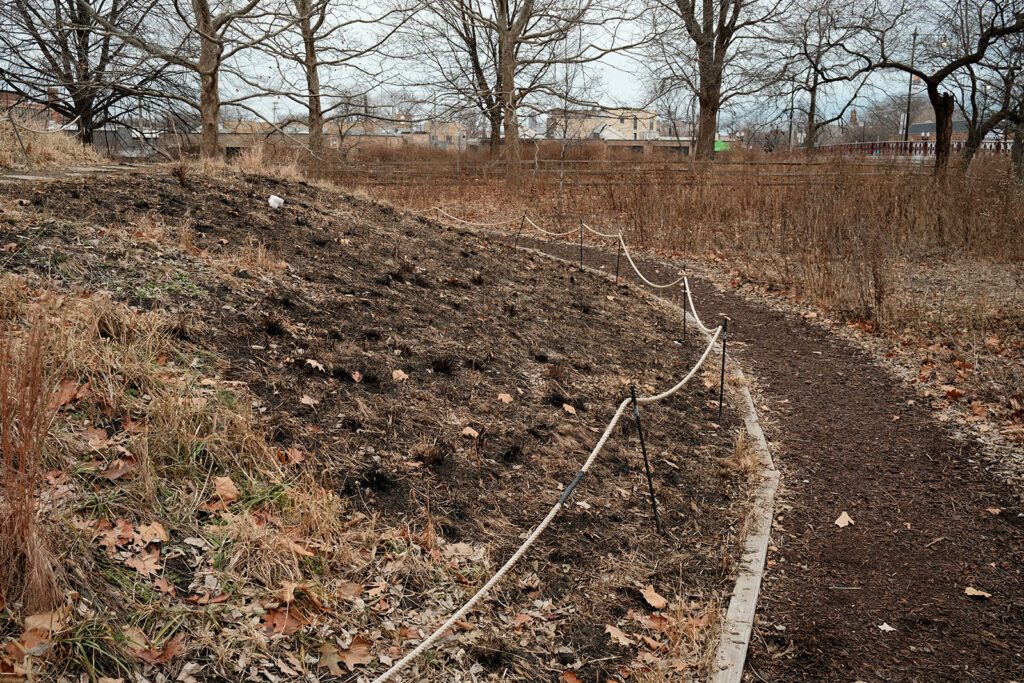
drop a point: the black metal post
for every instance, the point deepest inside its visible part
(721, 381)
(647, 465)
(686, 298)
(521, 224)
(581, 245)
(618, 252)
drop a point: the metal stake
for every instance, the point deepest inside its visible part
(581, 244)
(685, 299)
(721, 381)
(647, 465)
(618, 251)
(521, 224)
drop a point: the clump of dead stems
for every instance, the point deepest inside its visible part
(26, 411)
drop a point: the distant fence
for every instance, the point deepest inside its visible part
(911, 148)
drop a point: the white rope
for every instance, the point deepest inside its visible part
(546, 521)
(616, 236)
(66, 126)
(693, 309)
(548, 232)
(482, 225)
(641, 275)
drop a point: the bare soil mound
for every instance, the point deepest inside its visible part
(442, 389)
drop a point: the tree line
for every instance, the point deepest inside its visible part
(115, 61)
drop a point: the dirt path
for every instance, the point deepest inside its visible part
(851, 438)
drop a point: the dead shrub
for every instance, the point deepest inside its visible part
(26, 411)
(743, 460)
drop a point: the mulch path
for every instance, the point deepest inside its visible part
(928, 521)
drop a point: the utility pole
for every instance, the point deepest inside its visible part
(910, 89)
(792, 105)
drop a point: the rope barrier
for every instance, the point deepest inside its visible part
(549, 233)
(616, 236)
(640, 275)
(61, 129)
(693, 309)
(482, 225)
(422, 647)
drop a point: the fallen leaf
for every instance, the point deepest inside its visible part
(652, 643)
(505, 398)
(287, 592)
(358, 652)
(308, 400)
(48, 622)
(569, 677)
(994, 511)
(164, 586)
(653, 599)
(350, 589)
(145, 563)
(67, 391)
(568, 408)
(470, 432)
(357, 377)
(282, 621)
(885, 627)
(172, 648)
(225, 489)
(11, 247)
(975, 593)
(118, 468)
(96, 437)
(618, 636)
(118, 534)
(152, 533)
(399, 375)
(330, 658)
(843, 520)
(315, 365)
(293, 456)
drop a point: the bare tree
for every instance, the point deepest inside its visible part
(497, 55)
(200, 36)
(978, 25)
(709, 48)
(56, 53)
(986, 93)
(814, 36)
(329, 59)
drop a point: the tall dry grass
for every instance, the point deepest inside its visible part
(837, 231)
(43, 149)
(26, 411)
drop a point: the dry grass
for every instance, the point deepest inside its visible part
(743, 460)
(27, 581)
(279, 163)
(44, 149)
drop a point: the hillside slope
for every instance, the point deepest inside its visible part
(290, 443)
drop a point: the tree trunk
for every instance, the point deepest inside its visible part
(710, 100)
(812, 117)
(507, 66)
(974, 138)
(84, 112)
(209, 94)
(707, 127)
(942, 105)
(315, 115)
(494, 117)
